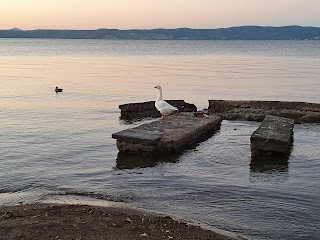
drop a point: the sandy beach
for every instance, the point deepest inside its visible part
(64, 221)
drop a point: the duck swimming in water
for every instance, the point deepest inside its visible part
(58, 89)
(162, 106)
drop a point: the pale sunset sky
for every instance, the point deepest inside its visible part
(148, 14)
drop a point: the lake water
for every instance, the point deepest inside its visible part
(60, 144)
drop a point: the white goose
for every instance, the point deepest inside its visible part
(162, 106)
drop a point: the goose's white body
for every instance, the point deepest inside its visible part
(162, 106)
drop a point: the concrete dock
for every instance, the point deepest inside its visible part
(301, 112)
(168, 136)
(147, 109)
(274, 136)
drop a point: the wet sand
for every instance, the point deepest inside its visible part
(65, 221)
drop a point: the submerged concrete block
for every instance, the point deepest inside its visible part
(167, 136)
(147, 109)
(273, 136)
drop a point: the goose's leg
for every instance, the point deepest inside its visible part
(163, 117)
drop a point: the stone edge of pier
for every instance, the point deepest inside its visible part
(301, 112)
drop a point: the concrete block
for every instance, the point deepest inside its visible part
(273, 136)
(168, 136)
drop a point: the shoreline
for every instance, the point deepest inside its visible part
(108, 221)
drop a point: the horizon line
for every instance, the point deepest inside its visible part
(160, 28)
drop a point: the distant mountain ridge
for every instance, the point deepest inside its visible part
(232, 33)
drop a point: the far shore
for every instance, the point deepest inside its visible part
(81, 221)
(231, 33)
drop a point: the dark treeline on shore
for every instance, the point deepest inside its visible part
(232, 33)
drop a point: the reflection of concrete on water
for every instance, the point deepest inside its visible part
(130, 162)
(273, 168)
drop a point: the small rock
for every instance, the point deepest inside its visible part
(8, 214)
(128, 220)
(144, 235)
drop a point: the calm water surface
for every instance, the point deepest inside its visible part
(61, 144)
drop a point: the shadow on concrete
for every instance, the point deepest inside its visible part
(134, 121)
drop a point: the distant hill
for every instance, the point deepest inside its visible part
(232, 33)
(16, 29)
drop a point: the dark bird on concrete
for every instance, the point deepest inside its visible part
(201, 113)
(58, 89)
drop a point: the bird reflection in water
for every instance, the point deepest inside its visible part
(131, 162)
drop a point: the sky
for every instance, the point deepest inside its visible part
(149, 14)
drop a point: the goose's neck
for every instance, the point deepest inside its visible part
(160, 95)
